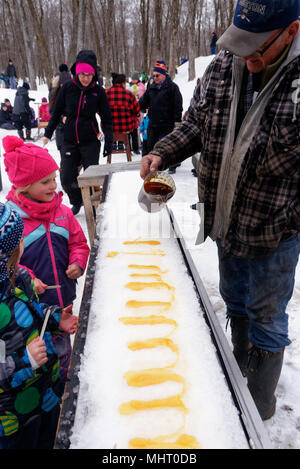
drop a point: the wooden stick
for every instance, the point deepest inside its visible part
(52, 287)
(45, 323)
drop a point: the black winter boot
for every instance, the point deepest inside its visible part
(240, 341)
(263, 374)
(28, 135)
(21, 134)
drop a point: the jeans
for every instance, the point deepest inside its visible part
(259, 289)
(13, 83)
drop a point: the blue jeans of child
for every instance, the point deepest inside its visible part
(259, 289)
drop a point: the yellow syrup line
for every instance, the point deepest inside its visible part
(147, 320)
(152, 376)
(147, 267)
(165, 305)
(137, 405)
(183, 442)
(137, 286)
(138, 253)
(154, 343)
(153, 243)
(155, 276)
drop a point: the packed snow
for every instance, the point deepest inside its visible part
(284, 427)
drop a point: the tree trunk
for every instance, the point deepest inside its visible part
(73, 43)
(144, 14)
(176, 7)
(158, 29)
(192, 38)
(41, 41)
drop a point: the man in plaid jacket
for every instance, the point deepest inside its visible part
(125, 109)
(246, 125)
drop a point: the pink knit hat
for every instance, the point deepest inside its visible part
(26, 163)
(84, 68)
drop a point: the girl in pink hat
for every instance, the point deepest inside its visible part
(55, 247)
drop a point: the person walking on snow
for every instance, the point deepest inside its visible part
(12, 75)
(22, 111)
(79, 101)
(246, 126)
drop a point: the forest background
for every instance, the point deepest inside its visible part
(41, 34)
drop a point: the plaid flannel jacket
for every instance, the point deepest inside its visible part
(124, 109)
(266, 199)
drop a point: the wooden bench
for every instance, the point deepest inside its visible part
(124, 138)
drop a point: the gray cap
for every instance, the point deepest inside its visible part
(242, 43)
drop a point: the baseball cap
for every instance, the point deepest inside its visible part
(254, 22)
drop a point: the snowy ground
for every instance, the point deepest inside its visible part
(284, 427)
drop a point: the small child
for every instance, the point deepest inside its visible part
(56, 249)
(143, 128)
(44, 113)
(29, 367)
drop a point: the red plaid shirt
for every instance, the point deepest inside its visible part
(124, 109)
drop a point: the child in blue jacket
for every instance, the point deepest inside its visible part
(29, 366)
(143, 128)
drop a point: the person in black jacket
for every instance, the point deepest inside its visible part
(164, 101)
(5, 118)
(22, 111)
(79, 101)
(12, 75)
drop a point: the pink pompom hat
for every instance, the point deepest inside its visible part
(26, 163)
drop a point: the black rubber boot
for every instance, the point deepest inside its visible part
(28, 135)
(263, 374)
(240, 341)
(21, 134)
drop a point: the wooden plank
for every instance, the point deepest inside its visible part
(92, 175)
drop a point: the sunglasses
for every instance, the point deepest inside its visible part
(264, 50)
(156, 76)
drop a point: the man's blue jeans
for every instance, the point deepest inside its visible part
(13, 83)
(259, 289)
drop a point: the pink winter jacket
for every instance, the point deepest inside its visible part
(53, 239)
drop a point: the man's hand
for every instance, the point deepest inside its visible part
(149, 163)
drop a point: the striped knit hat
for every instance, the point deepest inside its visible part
(160, 67)
(11, 231)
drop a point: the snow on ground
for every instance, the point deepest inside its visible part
(284, 427)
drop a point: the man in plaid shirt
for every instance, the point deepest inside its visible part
(246, 125)
(125, 109)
